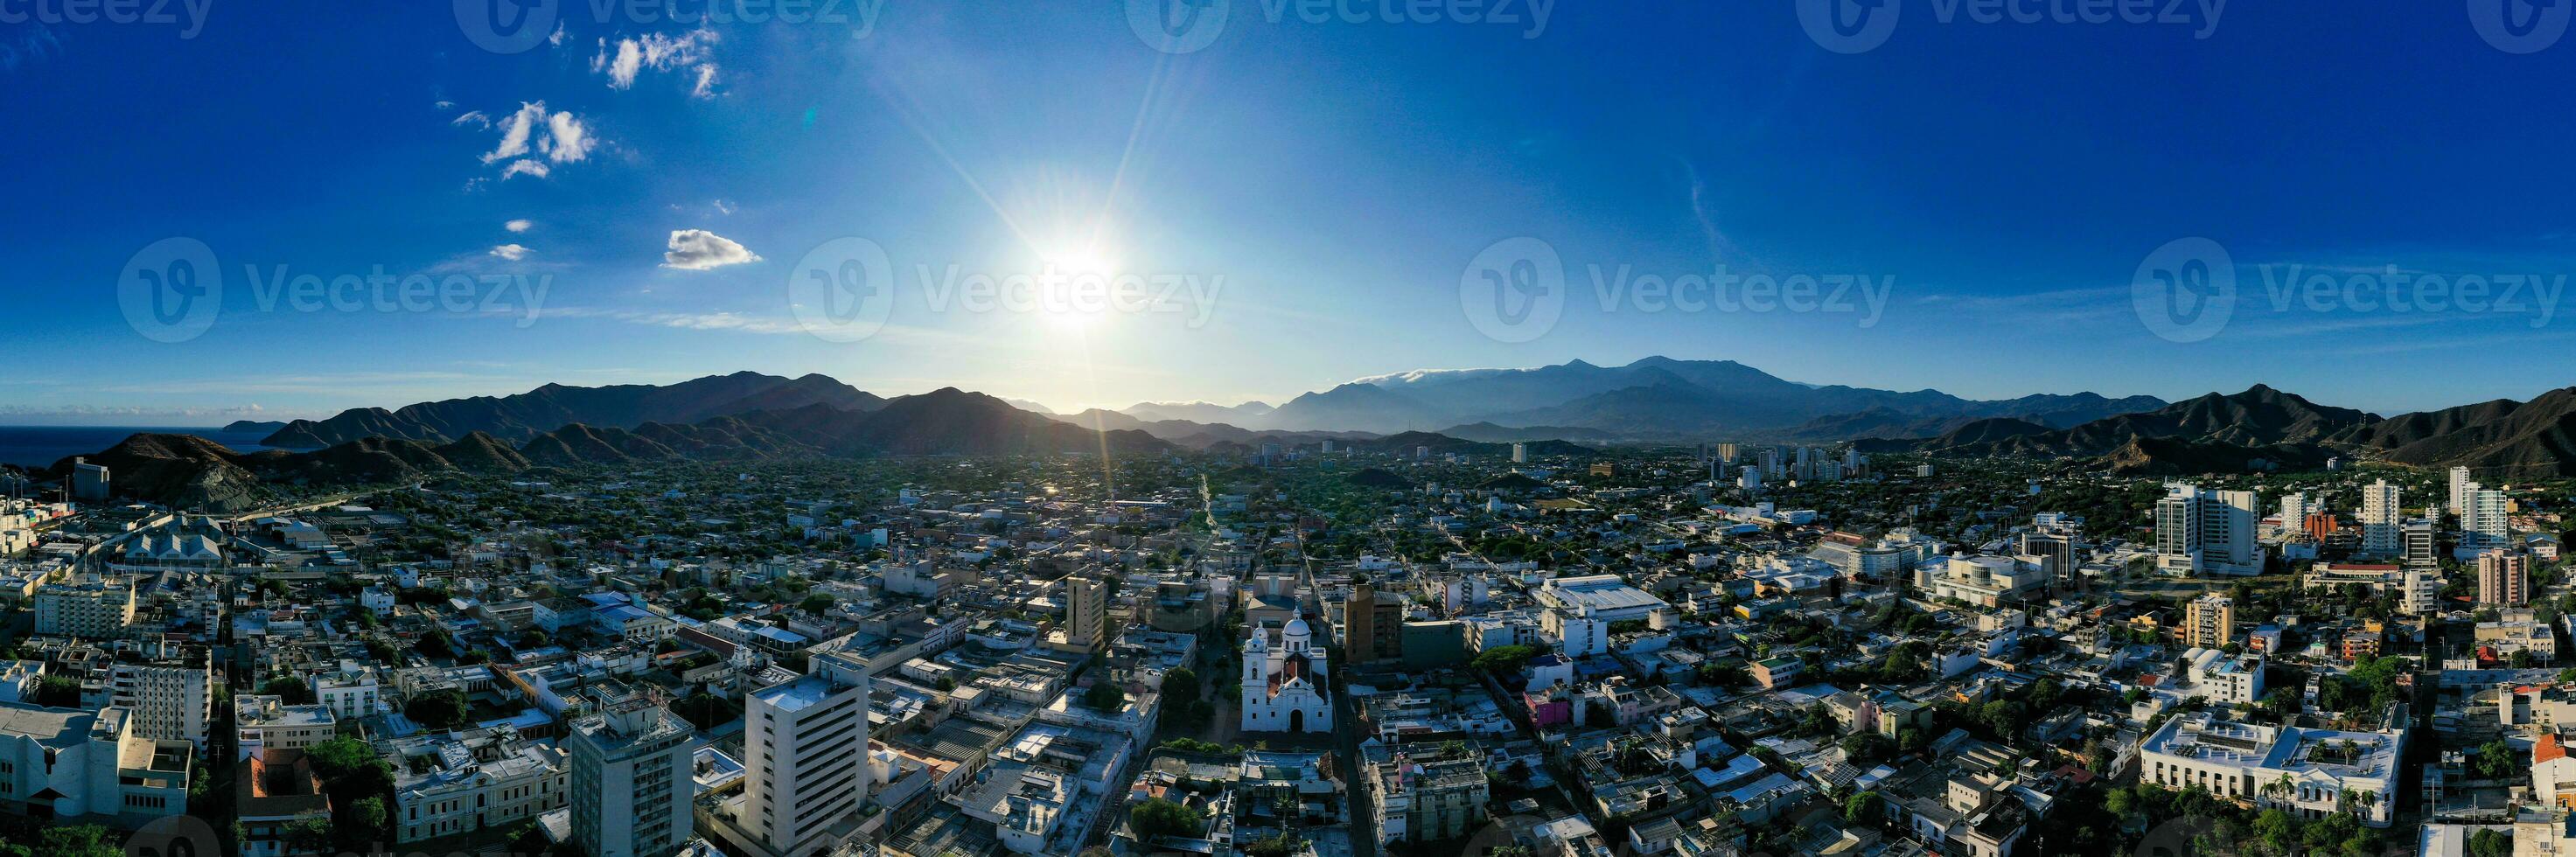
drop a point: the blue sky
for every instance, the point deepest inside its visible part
(1330, 182)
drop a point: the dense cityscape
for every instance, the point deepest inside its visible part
(1287, 428)
(1340, 646)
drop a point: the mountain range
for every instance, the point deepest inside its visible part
(1559, 409)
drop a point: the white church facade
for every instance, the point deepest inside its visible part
(1283, 687)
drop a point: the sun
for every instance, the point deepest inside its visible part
(1075, 297)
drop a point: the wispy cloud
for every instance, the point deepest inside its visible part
(532, 138)
(622, 60)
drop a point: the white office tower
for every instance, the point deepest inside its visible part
(1750, 479)
(1520, 453)
(631, 777)
(2294, 516)
(2460, 488)
(1771, 463)
(2207, 532)
(805, 745)
(2380, 519)
(2482, 518)
(1852, 462)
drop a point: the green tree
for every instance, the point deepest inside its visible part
(1158, 817)
(446, 709)
(1862, 808)
(291, 690)
(1105, 695)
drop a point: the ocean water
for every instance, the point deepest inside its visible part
(41, 446)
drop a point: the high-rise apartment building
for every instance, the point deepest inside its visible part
(2207, 532)
(631, 778)
(2381, 518)
(169, 700)
(2483, 520)
(2504, 578)
(1372, 625)
(2209, 621)
(1086, 613)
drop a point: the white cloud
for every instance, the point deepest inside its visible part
(512, 252)
(625, 59)
(531, 133)
(569, 140)
(520, 225)
(474, 118)
(700, 250)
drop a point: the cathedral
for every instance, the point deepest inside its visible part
(1283, 688)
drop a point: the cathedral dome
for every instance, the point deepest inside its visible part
(1296, 630)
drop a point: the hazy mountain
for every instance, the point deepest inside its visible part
(1491, 433)
(1248, 413)
(523, 416)
(1663, 399)
(247, 426)
(1357, 407)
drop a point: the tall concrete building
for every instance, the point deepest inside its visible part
(805, 746)
(2294, 516)
(2460, 488)
(2416, 546)
(92, 608)
(2483, 520)
(169, 700)
(1372, 625)
(631, 777)
(2504, 578)
(1520, 453)
(2382, 515)
(2207, 532)
(2209, 621)
(1086, 614)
